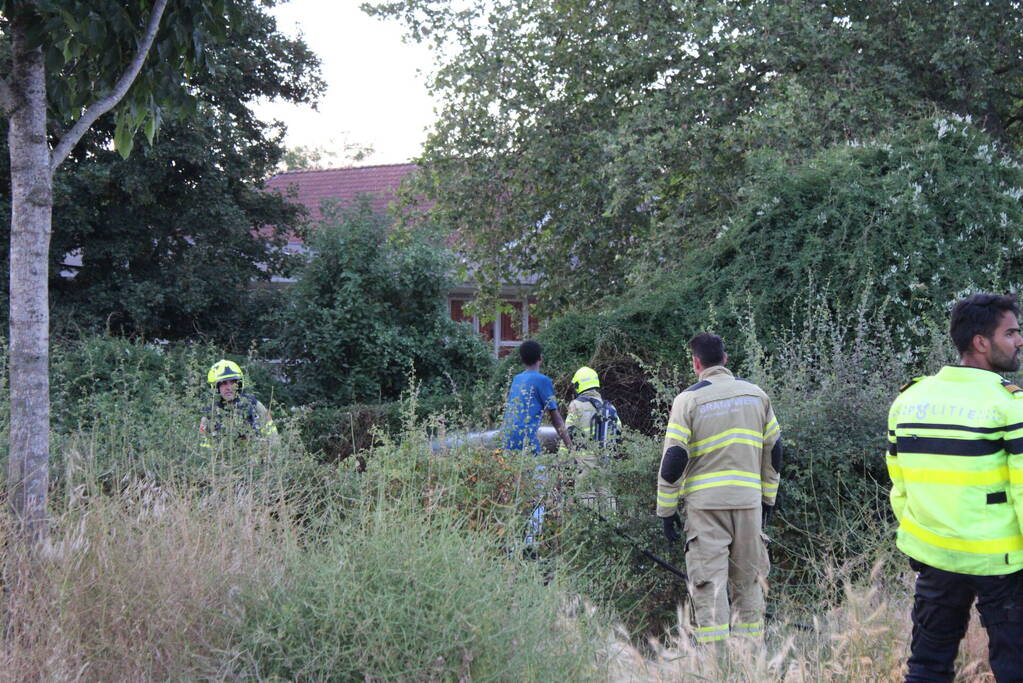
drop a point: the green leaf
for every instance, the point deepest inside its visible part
(71, 20)
(152, 124)
(124, 135)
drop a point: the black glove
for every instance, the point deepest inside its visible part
(671, 526)
(767, 511)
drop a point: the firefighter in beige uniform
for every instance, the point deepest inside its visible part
(722, 456)
(595, 428)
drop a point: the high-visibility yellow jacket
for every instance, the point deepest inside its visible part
(955, 458)
(243, 418)
(722, 447)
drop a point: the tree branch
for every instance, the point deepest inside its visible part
(71, 138)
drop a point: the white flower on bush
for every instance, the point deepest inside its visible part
(946, 125)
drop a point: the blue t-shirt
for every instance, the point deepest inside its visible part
(531, 393)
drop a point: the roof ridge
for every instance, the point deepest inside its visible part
(341, 168)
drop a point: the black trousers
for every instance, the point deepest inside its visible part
(941, 613)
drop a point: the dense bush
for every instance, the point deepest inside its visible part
(832, 378)
(913, 219)
(368, 312)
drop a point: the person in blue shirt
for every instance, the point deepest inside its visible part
(531, 393)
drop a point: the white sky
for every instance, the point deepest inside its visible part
(374, 94)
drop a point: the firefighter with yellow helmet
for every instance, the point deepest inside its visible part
(233, 414)
(594, 426)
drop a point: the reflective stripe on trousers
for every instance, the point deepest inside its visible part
(725, 553)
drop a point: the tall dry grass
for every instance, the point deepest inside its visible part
(159, 585)
(138, 586)
(862, 636)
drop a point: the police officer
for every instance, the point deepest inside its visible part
(955, 457)
(233, 413)
(594, 426)
(722, 456)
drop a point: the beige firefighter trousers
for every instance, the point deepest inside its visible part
(726, 556)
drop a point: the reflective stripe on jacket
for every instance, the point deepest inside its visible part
(955, 458)
(727, 429)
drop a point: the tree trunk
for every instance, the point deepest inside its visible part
(31, 217)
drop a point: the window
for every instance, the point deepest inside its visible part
(511, 323)
(506, 332)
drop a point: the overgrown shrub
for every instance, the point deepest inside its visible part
(368, 312)
(832, 378)
(915, 218)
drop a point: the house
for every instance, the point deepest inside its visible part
(380, 185)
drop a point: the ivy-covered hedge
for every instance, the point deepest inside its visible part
(907, 222)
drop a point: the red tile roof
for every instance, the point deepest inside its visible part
(343, 185)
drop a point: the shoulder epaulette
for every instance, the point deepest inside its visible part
(698, 385)
(1013, 389)
(910, 383)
